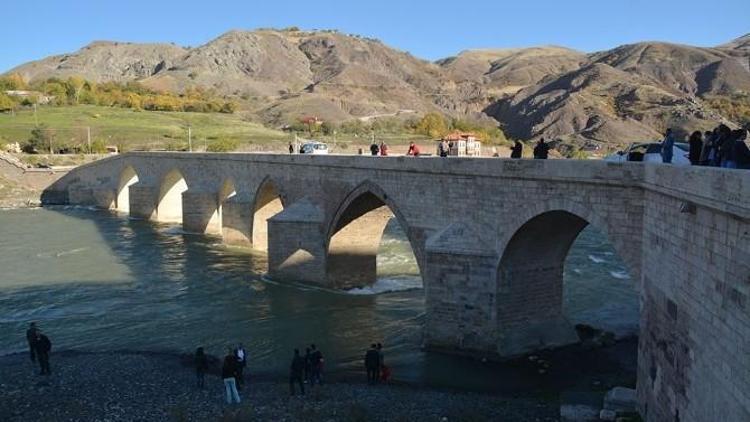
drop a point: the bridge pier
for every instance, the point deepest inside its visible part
(200, 212)
(236, 215)
(459, 286)
(142, 200)
(296, 245)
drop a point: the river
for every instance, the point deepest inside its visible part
(94, 280)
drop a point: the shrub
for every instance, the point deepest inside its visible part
(222, 145)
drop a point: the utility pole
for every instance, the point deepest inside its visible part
(88, 137)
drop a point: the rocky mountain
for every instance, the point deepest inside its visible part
(103, 61)
(628, 93)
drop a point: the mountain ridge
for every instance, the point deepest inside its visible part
(631, 90)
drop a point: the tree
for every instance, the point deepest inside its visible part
(432, 125)
(12, 82)
(75, 87)
(41, 139)
(6, 103)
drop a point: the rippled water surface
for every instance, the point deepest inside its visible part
(98, 281)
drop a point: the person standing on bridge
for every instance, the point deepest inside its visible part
(667, 147)
(541, 150)
(413, 150)
(374, 149)
(383, 149)
(443, 148)
(291, 148)
(696, 147)
(517, 150)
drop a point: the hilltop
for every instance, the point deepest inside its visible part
(626, 93)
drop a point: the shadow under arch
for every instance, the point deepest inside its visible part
(169, 204)
(354, 234)
(268, 201)
(128, 177)
(530, 275)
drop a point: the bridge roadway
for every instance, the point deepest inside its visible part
(490, 237)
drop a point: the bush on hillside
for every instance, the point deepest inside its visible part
(223, 145)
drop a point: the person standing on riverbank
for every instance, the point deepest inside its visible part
(372, 361)
(241, 364)
(295, 373)
(316, 358)
(201, 365)
(31, 334)
(43, 347)
(381, 360)
(229, 374)
(308, 365)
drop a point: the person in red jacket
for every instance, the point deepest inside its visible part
(383, 149)
(413, 150)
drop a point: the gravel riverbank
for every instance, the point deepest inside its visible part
(131, 386)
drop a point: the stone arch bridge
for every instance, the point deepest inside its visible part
(490, 237)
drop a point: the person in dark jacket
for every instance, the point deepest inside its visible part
(201, 365)
(31, 339)
(374, 148)
(308, 365)
(724, 143)
(696, 147)
(541, 150)
(296, 371)
(739, 154)
(372, 364)
(228, 374)
(241, 355)
(42, 348)
(316, 362)
(517, 150)
(667, 147)
(291, 148)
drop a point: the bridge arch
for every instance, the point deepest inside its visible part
(530, 273)
(268, 202)
(354, 235)
(128, 177)
(169, 203)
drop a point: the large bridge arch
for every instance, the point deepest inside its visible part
(169, 202)
(354, 234)
(529, 278)
(268, 201)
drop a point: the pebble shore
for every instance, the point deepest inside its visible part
(132, 386)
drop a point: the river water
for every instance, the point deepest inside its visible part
(94, 280)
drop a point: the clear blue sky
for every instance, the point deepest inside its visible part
(32, 29)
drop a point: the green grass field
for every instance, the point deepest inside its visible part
(139, 129)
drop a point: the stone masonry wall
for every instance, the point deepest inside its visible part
(683, 232)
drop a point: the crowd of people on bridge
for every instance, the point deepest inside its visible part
(721, 147)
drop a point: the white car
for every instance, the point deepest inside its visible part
(315, 148)
(651, 152)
